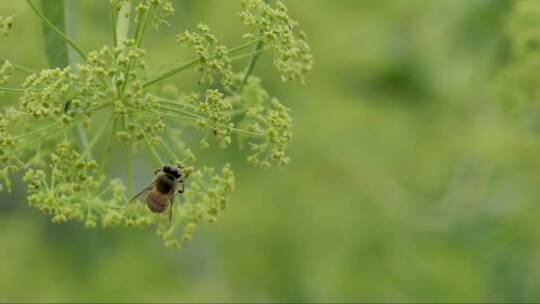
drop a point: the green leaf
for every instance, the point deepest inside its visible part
(56, 48)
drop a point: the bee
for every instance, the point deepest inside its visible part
(161, 193)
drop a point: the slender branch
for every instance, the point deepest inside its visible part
(153, 152)
(195, 116)
(20, 67)
(127, 162)
(142, 29)
(123, 22)
(84, 141)
(54, 28)
(95, 140)
(175, 102)
(45, 137)
(38, 130)
(107, 149)
(251, 65)
(171, 152)
(189, 64)
(113, 15)
(171, 72)
(12, 90)
(139, 31)
(249, 54)
(245, 45)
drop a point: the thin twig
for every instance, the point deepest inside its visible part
(58, 31)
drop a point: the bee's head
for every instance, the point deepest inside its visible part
(174, 171)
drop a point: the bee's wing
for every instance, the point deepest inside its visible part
(136, 196)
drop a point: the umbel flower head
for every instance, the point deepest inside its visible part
(69, 121)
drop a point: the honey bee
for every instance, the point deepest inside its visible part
(161, 193)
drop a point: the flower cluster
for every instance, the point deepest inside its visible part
(292, 58)
(9, 159)
(5, 25)
(268, 117)
(117, 72)
(6, 69)
(161, 10)
(109, 77)
(46, 94)
(213, 59)
(109, 93)
(67, 189)
(216, 117)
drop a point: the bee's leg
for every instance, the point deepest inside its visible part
(170, 209)
(182, 188)
(156, 172)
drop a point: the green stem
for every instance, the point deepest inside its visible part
(113, 14)
(257, 53)
(90, 145)
(153, 152)
(251, 65)
(127, 159)
(175, 102)
(171, 72)
(45, 137)
(127, 164)
(181, 112)
(54, 28)
(123, 22)
(195, 116)
(106, 151)
(37, 130)
(84, 141)
(142, 29)
(171, 152)
(12, 90)
(139, 31)
(191, 63)
(20, 67)
(245, 45)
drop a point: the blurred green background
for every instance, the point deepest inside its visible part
(414, 177)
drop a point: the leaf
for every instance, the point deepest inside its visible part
(56, 48)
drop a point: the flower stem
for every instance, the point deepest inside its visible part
(20, 67)
(193, 62)
(11, 90)
(84, 141)
(121, 27)
(106, 151)
(251, 65)
(127, 160)
(55, 29)
(90, 145)
(37, 130)
(153, 152)
(113, 15)
(195, 116)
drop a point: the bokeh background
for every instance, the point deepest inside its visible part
(414, 177)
